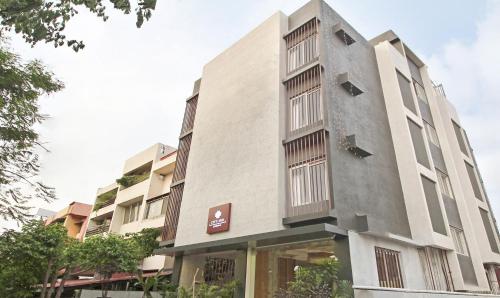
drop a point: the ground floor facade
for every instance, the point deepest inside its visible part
(376, 266)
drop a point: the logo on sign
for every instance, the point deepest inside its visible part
(218, 218)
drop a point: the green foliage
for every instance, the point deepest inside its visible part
(146, 241)
(104, 198)
(21, 84)
(205, 290)
(45, 20)
(151, 283)
(129, 180)
(29, 255)
(318, 280)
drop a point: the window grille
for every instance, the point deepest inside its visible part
(420, 91)
(218, 270)
(431, 134)
(302, 45)
(131, 213)
(436, 269)
(308, 179)
(305, 106)
(389, 268)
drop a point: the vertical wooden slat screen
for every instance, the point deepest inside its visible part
(302, 45)
(389, 268)
(218, 270)
(436, 269)
(307, 175)
(173, 204)
(305, 106)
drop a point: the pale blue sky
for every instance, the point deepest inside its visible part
(126, 90)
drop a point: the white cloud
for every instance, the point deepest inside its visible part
(470, 73)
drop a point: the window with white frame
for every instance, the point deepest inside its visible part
(305, 109)
(308, 183)
(431, 134)
(155, 207)
(420, 91)
(459, 240)
(302, 45)
(131, 213)
(444, 184)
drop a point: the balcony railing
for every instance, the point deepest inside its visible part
(97, 230)
(302, 45)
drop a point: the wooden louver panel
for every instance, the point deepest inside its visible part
(308, 191)
(305, 107)
(389, 268)
(302, 45)
(172, 212)
(188, 121)
(182, 158)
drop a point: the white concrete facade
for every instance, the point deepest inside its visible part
(161, 159)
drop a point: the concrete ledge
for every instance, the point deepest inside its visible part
(379, 292)
(304, 233)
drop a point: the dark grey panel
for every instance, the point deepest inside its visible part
(418, 143)
(415, 71)
(405, 87)
(437, 157)
(361, 186)
(432, 200)
(489, 230)
(450, 206)
(473, 181)
(467, 269)
(425, 111)
(460, 138)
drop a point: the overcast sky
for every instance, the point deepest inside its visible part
(126, 90)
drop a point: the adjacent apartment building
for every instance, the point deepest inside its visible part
(138, 200)
(305, 140)
(74, 217)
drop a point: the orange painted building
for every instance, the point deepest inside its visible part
(74, 217)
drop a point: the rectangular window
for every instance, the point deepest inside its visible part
(459, 241)
(218, 270)
(431, 134)
(436, 269)
(418, 144)
(308, 183)
(131, 213)
(473, 180)
(420, 91)
(155, 207)
(489, 230)
(460, 138)
(302, 45)
(444, 184)
(389, 268)
(305, 109)
(304, 97)
(432, 199)
(405, 87)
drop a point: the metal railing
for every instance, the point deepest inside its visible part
(97, 230)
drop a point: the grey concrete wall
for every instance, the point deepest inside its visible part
(418, 144)
(370, 185)
(467, 269)
(450, 206)
(431, 197)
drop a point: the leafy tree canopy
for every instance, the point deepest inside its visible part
(45, 20)
(26, 256)
(21, 84)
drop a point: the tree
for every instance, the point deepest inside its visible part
(110, 254)
(318, 280)
(21, 84)
(71, 258)
(29, 257)
(44, 20)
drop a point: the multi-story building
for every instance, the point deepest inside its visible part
(138, 202)
(305, 140)
(74, 217)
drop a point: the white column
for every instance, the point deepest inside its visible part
(250, 272)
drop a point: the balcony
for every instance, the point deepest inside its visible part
(105, 199)
(101, 229)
